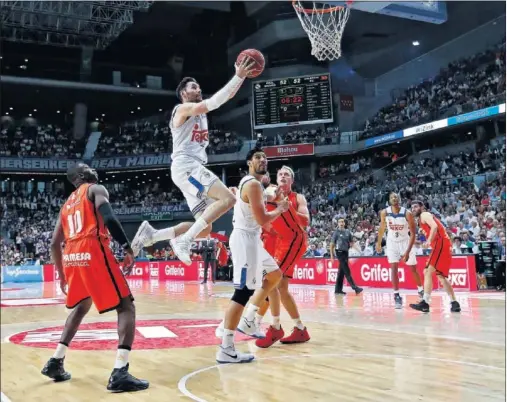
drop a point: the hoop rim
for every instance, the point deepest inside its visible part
(321, 11)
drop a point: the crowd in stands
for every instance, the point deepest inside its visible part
(148, 137)
(466, 191)
(475, 81)
(48, 141)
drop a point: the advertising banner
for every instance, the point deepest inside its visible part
(372, 272)
(22, 273)
(383, 139)
(281, 151)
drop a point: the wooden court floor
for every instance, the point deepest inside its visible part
(362, 349)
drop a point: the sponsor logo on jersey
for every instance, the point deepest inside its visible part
(199, 136)
(77, 259)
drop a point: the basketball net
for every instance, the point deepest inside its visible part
(324, 26)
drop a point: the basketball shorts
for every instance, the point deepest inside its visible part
(396, 250)
(441, 257)
(92, 270)
(251, 262)
(288, 253)
(194, 181)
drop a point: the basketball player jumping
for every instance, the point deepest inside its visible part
(439, 260)
(253, 267)
(286, 240)
(399, 245)
(207, 197)
(93, 275)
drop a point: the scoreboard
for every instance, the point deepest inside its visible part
(292, 101)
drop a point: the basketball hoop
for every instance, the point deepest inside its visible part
(324, 26)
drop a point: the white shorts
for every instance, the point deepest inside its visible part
(396, 250)
(249, 259)
(194, 181)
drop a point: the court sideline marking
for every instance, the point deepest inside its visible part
(182, 383)
(4, 398)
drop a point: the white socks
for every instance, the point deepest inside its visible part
(163, 234)
(258, 319)
(122, 358)
(298, 323)
(419, 288)
(199, 225)
(228, 338)
(427, 297)
(60, 351)
(276, 322)
(251, 310)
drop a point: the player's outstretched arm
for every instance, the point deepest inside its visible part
(381, 230)
(254, 193)
(223, 95)
(56, 246)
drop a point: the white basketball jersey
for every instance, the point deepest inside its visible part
(397, 225)
(191, 138)
(243, 217)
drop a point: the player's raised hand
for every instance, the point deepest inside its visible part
(128, 262)
(244, 68)
(283, 205)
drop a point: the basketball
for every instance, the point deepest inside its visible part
(259, 61)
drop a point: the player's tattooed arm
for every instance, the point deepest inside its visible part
(303, 213)
(427, 218)
(100, 197)
(412, 227)
(381, 230)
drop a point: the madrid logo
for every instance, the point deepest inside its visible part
(152, 334)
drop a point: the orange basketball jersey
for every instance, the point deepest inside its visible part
(80, 219)
(286, 226)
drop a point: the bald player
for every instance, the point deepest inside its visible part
(286, 240)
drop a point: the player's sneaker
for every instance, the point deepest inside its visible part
(272, 335)
(181, 247)
(398, 301)
(231, 355)
(54, 369)
(122, 381)
(297, 336)
(421, 306)
(143, 237)
(455, 307)
(250, 328)
(421, 294)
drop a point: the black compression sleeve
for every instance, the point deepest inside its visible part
(114, 225)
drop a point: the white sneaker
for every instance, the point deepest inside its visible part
(143, 237)
(181, 247)
(250, 328)
(219, 332)
(231, 355)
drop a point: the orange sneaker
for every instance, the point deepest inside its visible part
(297, 336)
(272, 335)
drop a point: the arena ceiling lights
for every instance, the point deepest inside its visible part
(67, 23)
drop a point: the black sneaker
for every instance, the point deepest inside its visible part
(398, 301)
(421, 306)
(54, 369)
(455, 307)
(340, 292)
(358, 290)
(122, 381)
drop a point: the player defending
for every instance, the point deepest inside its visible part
(207, 197)
(439, 260)
(286, 240)
(93, 274)
(253, 266)
(399, 245)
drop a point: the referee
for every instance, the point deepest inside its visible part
(340, 244)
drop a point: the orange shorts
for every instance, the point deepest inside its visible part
(441, 257)
(92, 270)
(286, 252)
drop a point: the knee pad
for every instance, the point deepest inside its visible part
(241, 296)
